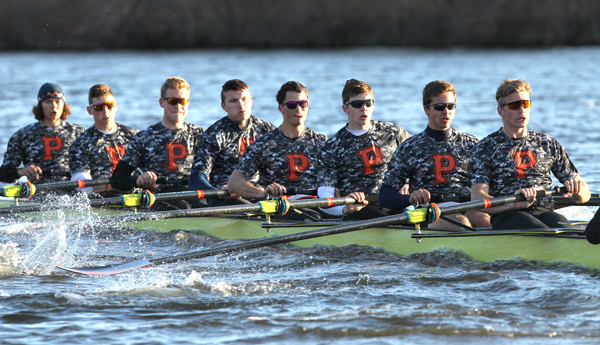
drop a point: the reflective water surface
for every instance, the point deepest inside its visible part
(284, 294)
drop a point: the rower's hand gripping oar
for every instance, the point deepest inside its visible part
(412, 217)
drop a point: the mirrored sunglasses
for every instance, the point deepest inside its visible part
(294, 104)
(175, 100)
(100, 106)
(525, 103)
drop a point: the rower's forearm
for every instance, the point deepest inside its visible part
(478, 193)
(239, 185)
(246, 190)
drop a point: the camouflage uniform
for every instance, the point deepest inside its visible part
(166, 152)
(46, 147)
(358, 163)
(220, 148)
(508, 164)
(438, 166)
(289, 162)
(97, 153)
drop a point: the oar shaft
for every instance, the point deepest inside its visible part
(269, 241)
(487, 203)
(193, 194)
(562, 202)
(116, 201)
(214, 211)
(72, 184)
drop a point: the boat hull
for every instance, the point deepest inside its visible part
(399, 241)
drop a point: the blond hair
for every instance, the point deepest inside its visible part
(509, 86)
(174, 83)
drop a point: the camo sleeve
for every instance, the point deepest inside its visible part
(479, 164)
(12, 159)
(205, 151)
(250, 163)
(563, 168)
(77, 157)
(402, 134)
(327, 165)
(135, 150)
(14, 155)
(397, 173)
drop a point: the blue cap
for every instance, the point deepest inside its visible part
(50, 90)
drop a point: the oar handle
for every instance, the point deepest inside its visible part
(171, 181)
(295, 191)
(146, 199)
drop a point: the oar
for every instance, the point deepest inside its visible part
(564, 202)
(28, 189)
(526, 232)
(277, 206)
(144, 200)
(413, 216)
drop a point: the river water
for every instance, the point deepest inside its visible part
(283, 294)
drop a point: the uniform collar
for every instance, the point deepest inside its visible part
(438, 135)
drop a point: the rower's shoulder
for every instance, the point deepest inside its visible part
(315, 135)
(89, 133)
(464, 135)
(69, 129)
(388, 125)
(218, 126)
(385, 126)
(260, 124)
(193, 128)
(416, 142)
(127, 130)
(494, 137)
(30, 128)
(533, 135)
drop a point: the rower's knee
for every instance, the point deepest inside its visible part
(479, 219)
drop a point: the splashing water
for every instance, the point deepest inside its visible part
(48, 252)
(9, 257)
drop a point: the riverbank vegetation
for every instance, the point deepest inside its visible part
(149, 24)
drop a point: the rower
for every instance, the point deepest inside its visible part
(355, 159)
(42, 147)
(283, 158)
(164, 150)
(97, 151)
(221, 147)
(434, 162)
(516, 160)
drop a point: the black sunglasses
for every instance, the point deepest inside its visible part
(359, 103)
(442, 106)
(294, 104)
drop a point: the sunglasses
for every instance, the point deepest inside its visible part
(442, 106)
(294, 104)
(100, 106)
(175, 100)
(518, 104)
(360, 103)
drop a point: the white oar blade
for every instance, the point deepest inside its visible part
(108, 270)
